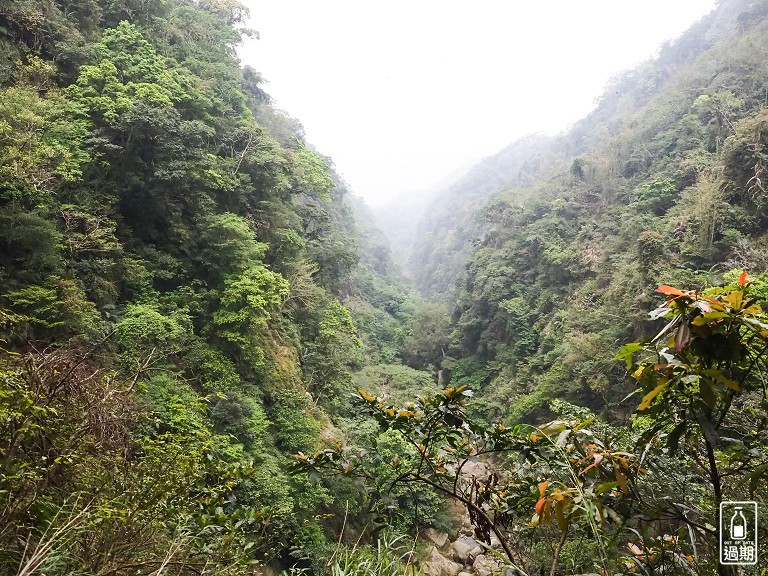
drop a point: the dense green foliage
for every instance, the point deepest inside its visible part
(644, 496)
(446, 235)
(667, 189)
(563, 244)
(189, 298)
(181, 287)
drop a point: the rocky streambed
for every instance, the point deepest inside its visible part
(463, 556)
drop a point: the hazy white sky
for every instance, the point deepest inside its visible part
(401, 93)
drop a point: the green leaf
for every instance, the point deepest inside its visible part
(627, 351)
(708, 317)
(673, 440)
(606, 487)
(717, 375)
(754, 477)
(707, 392)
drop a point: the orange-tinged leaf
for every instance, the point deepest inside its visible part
(715, 304)
(540, 506)
(598, 459)
(543, 487)
(670, 291)
(622, 479)
(743, 279)
(588, 456)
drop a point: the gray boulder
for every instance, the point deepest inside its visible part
(439, 565)
(485, 565)
(439, 539)
(466, 549)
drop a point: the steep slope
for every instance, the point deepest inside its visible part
(448, 226)
(398, 221)
(400, 218)
(670, 193)
(175, 262)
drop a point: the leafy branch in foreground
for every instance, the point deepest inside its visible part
(703, 380)
(699, 420)
(560, 478)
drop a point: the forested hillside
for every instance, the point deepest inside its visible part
(177, 268)
(451, 221)
(210, 362)
(561, 249)
(661, 184)
(449, 224)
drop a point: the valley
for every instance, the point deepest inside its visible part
(215, 358)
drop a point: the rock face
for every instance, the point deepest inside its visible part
(463, 556)
(465, 550)
(478, 470)
(439, 565)
(485, 565)
(439, 539)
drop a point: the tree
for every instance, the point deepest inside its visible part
(559, 475)
(427, 338)
(332, 353)
(578, 477)
(311, 173)
(246, 306)
(41, 144)
(704, 380)
(229, 245)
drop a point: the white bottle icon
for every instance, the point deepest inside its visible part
(738, 525)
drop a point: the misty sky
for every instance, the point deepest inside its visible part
(402, 93)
